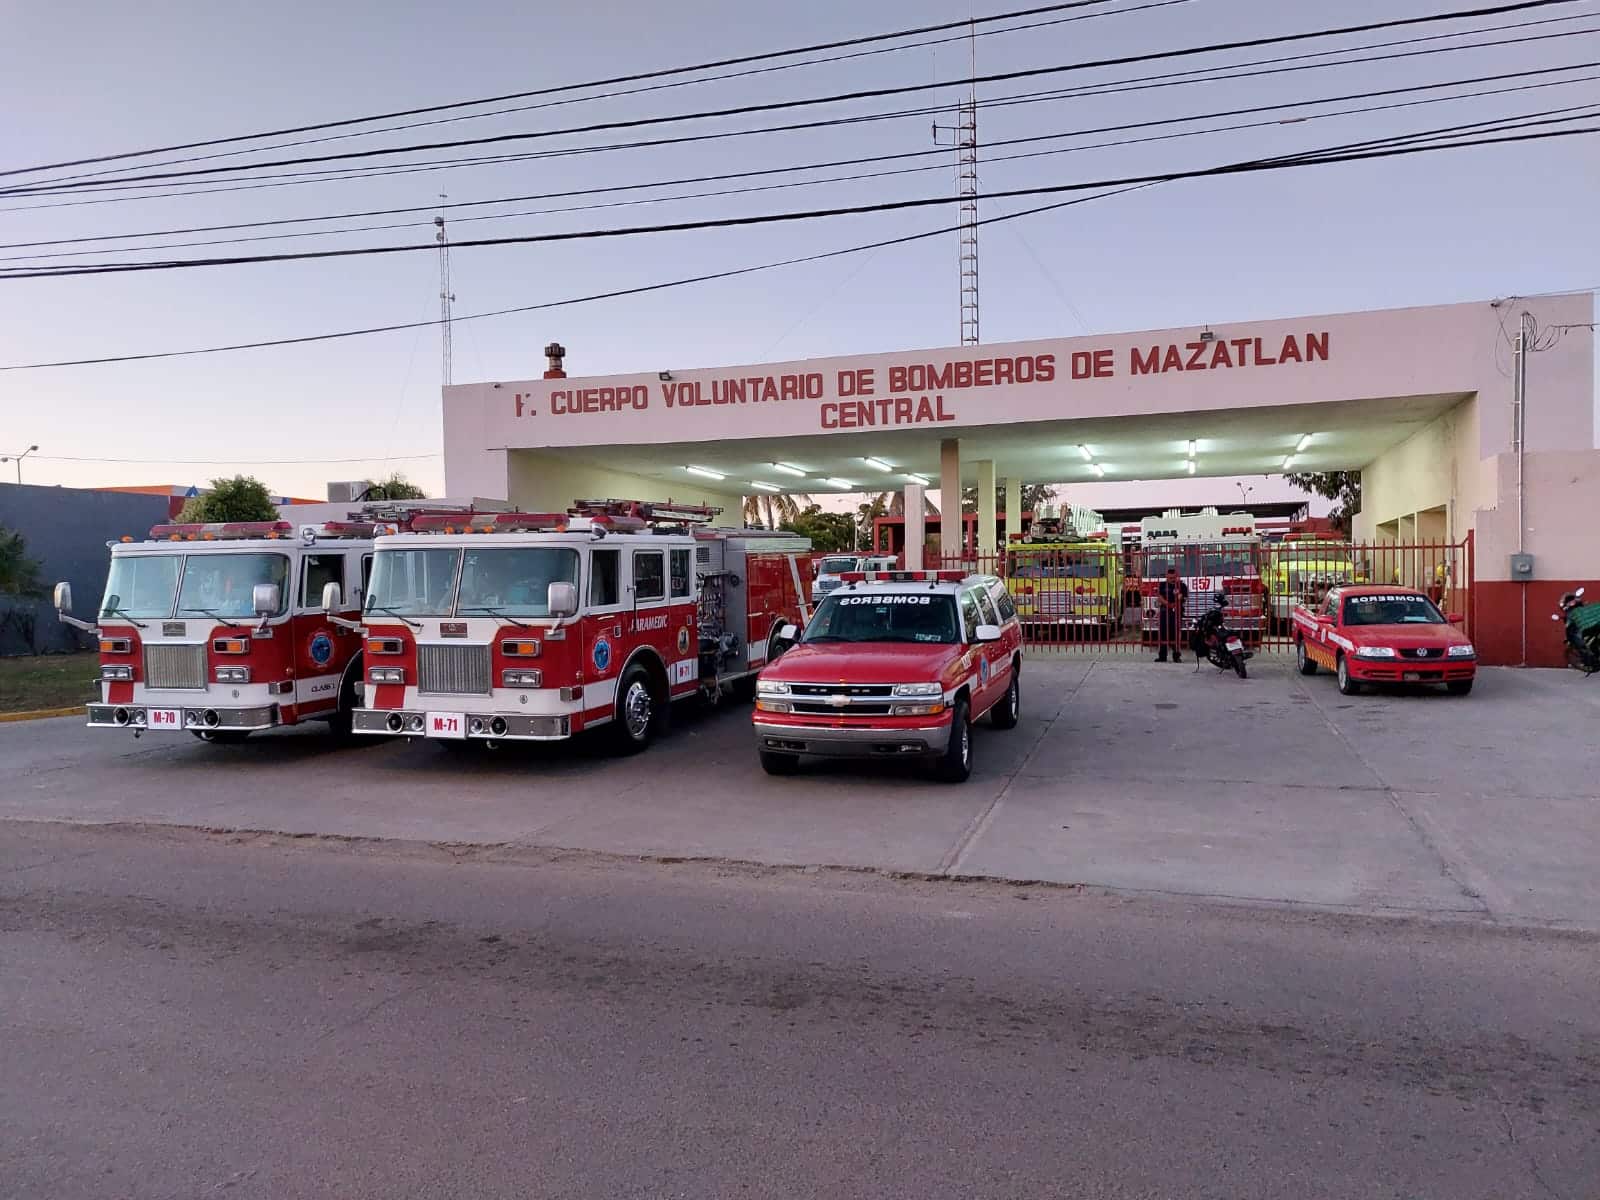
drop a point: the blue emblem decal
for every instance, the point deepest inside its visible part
(602, 654)
(321, 649)
(983, 671)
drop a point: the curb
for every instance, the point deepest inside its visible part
(40, 714)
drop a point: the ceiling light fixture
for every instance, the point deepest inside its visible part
(706, 471)
(1193, 447)
(1304, 442)
(1098, 470)
(1191, 466)
(1084, 450)
(878, 463)
(765, 487)
(839, 483)
(1288, 462)
(789, 469)
(915, 478)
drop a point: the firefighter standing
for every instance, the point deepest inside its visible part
(1171, 593)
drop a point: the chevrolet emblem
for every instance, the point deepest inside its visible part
(839, 701)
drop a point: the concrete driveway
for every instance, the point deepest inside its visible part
(1122, 775)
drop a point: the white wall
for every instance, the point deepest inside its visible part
(1438, 464)
(1562, 496)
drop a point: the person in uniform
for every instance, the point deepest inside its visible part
(1171, 594)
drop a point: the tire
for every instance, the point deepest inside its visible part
(340, 725)
(1005, 714)
(1458, 687)
(637, 716)
(779, 764)
(221, 737)
(955, 765)
(1303, 662)
(1347, 685)
(1238, 665)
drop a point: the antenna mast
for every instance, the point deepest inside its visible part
(965, 137)
(446, 296)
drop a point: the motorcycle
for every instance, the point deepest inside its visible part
(1582, 632)
(1214, 642)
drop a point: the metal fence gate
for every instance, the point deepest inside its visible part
(1095, 598)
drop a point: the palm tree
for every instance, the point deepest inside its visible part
(893, 504)
(771, 510)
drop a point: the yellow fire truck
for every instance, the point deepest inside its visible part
(1057, 576)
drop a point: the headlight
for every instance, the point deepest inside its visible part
(919, 689)
(767, 687)
(521, 678)
(117, 674)
(1462, 652)
(1376, 652)
(774, 706)
(386, 675)
(916, 710)
(233, 674)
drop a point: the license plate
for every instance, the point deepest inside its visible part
(1235, 645)
(164, 718)
(446, 725)
(1411, 677)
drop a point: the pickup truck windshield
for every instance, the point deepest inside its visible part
(1391, 610)
(836, 566)
(922, 617)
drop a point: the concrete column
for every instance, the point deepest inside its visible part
(1013, 507)
(986, 513)
(916, 530)
(952, 530)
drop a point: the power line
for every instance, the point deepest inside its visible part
(1223, 73)
(229, 462)
(635, 230)
(805, 102)
(558, 89)
(868, 175)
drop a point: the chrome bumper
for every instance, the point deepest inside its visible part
(853, 743)
(497, 727)
(195, 720)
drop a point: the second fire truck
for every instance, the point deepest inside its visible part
(1214, 552)
(538, 626)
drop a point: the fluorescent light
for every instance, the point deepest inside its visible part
(1097, 469)
(1192, 447)
(1191, 466)
(1288, 462)
(839, 483)
(1304, 442)
(878, 463)
(765, 487)
(789, 469)
(915, 478)
(1084, 450)
(706, 471)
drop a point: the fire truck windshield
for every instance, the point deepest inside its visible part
(417, 583)
(924, 617)
(1054, 565)
(222, 585)
(1196, 562)
(514, 581)
(141, 585)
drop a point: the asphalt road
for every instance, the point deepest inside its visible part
(187, 1015)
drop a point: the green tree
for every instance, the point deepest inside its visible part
(396, 487)
(242, 498)
(19, 573)
(772, 510)
(1343, 486)
(828, 531)
(1033, 495)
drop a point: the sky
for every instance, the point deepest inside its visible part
(98, 77)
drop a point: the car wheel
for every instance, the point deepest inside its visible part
(956, 763)
(779, 764)
(636, 719)
(1303, 661)
(1006, 714)
(1347, 686)
(1459, 687)
(221, 737)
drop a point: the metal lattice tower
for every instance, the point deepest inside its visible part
(965, 134)
(446, 296)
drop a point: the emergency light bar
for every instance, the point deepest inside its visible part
(647, 511)
(902, 576)
(210, 531)
(501, 522)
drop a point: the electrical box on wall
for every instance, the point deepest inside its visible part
(1522, 566)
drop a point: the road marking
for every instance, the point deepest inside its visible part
(951, 862)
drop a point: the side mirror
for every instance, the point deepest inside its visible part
(561, 598)
(789, 633)
(1454, 618)
(63, 597)
(1578, 593)
(1325, 618)
(332, 596)
(266, 599)
(988, 633)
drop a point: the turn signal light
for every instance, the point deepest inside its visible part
(231, 645)
(383, 646)
(522, 649)
(115, 645)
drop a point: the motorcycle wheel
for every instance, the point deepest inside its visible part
(1238, 665)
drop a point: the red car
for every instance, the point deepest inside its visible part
(894, 664)
(1373, 634)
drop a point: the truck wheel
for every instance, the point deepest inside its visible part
(340, 725)
(1347, 686)
(1459, 687)
(637, 717)
(1303, 662)
(1006, 714)
(779, 764)
(955, 765)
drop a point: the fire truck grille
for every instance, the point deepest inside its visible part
(453, 670)
(180, 667)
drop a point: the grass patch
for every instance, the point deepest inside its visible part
(47, 681)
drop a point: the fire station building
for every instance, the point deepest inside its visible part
(1471, 423)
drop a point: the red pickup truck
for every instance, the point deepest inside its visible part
(1377, 634)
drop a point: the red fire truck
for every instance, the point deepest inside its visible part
(220, 629)
(1214, 552)
(537, 626)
